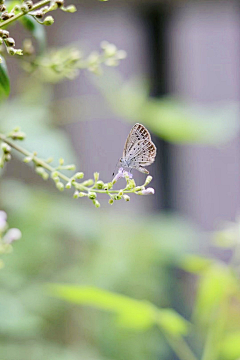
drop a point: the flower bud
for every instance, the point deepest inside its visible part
(60, 186)
(68, 185)
(24, 8)
(38, 14)
(148, 191)
(12, 235)
(5, 16)
(96, 203)
(7, 157)
(131, 184)
(10, 42)
(29, 4)
(109, 185)
(78, 175)
(148, 180)
(82, 194)
(4, 34)
(110, 201)
(121, 54)
(5, 148)
(96, 176)
(70, 8)
(100, 185)
(126, 197)
(11, 51)
(110, 50)
(2, 8)
(92, 195)
(71, 167)
(27, 159)
(49, 20)
(59, 3)
(88, 182)
(54, 174)
(76, 194)
(61, 161)
(17, 8)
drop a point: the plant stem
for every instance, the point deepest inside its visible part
(17, 16)
(48, 167)
(181, 348)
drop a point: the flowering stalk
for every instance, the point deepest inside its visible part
(88, 188)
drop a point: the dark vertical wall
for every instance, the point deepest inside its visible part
(156, 21)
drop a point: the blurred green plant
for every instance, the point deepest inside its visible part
(7, 236)
(214, 321)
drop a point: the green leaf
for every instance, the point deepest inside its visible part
(4, 79)
(36, 29)
(134, 314)
(195, 264)
(216, 284)
(230, 346)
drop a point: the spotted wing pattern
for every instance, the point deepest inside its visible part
(139, 150)
(138, 132)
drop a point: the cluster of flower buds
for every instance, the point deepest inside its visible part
(110, 56)
(7, 236)
(9, 43)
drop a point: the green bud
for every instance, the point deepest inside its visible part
(88, 182)
(78, 175)
(17, 135)
(110, 201)
(60, 186)
(68, 185)
(138, 188)
(131, 184)
(92, 195)
(49, 20)
(7, 157)
(120, 193)
(82, 194)
(100, 184)
(54, 174)
(126, 197)
(148, 180)
(61, 161)
(70, 167)
(27, 159)
(70, 8)
(109, 185)
(11, 51)
(56, 179)
(110, 50)
(42, 172)
(19, 51)
(49, 160)
(76, 194)
(96, 203)
(96, 176)
(5, 148)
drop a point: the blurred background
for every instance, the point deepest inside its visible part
(181, 80)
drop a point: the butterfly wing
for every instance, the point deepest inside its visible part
(137, 133)
(141, 154)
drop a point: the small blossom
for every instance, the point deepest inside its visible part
(12, 235)
(3, 220)
(121, 174)
(148, 191)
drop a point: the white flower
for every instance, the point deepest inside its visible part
(3, 220)
(12, 235)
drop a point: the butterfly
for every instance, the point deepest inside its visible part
(139, 150)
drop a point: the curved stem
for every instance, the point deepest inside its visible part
(45, 165)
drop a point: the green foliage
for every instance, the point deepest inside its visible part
(170, 118)
(133, 314)
(4, 79)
